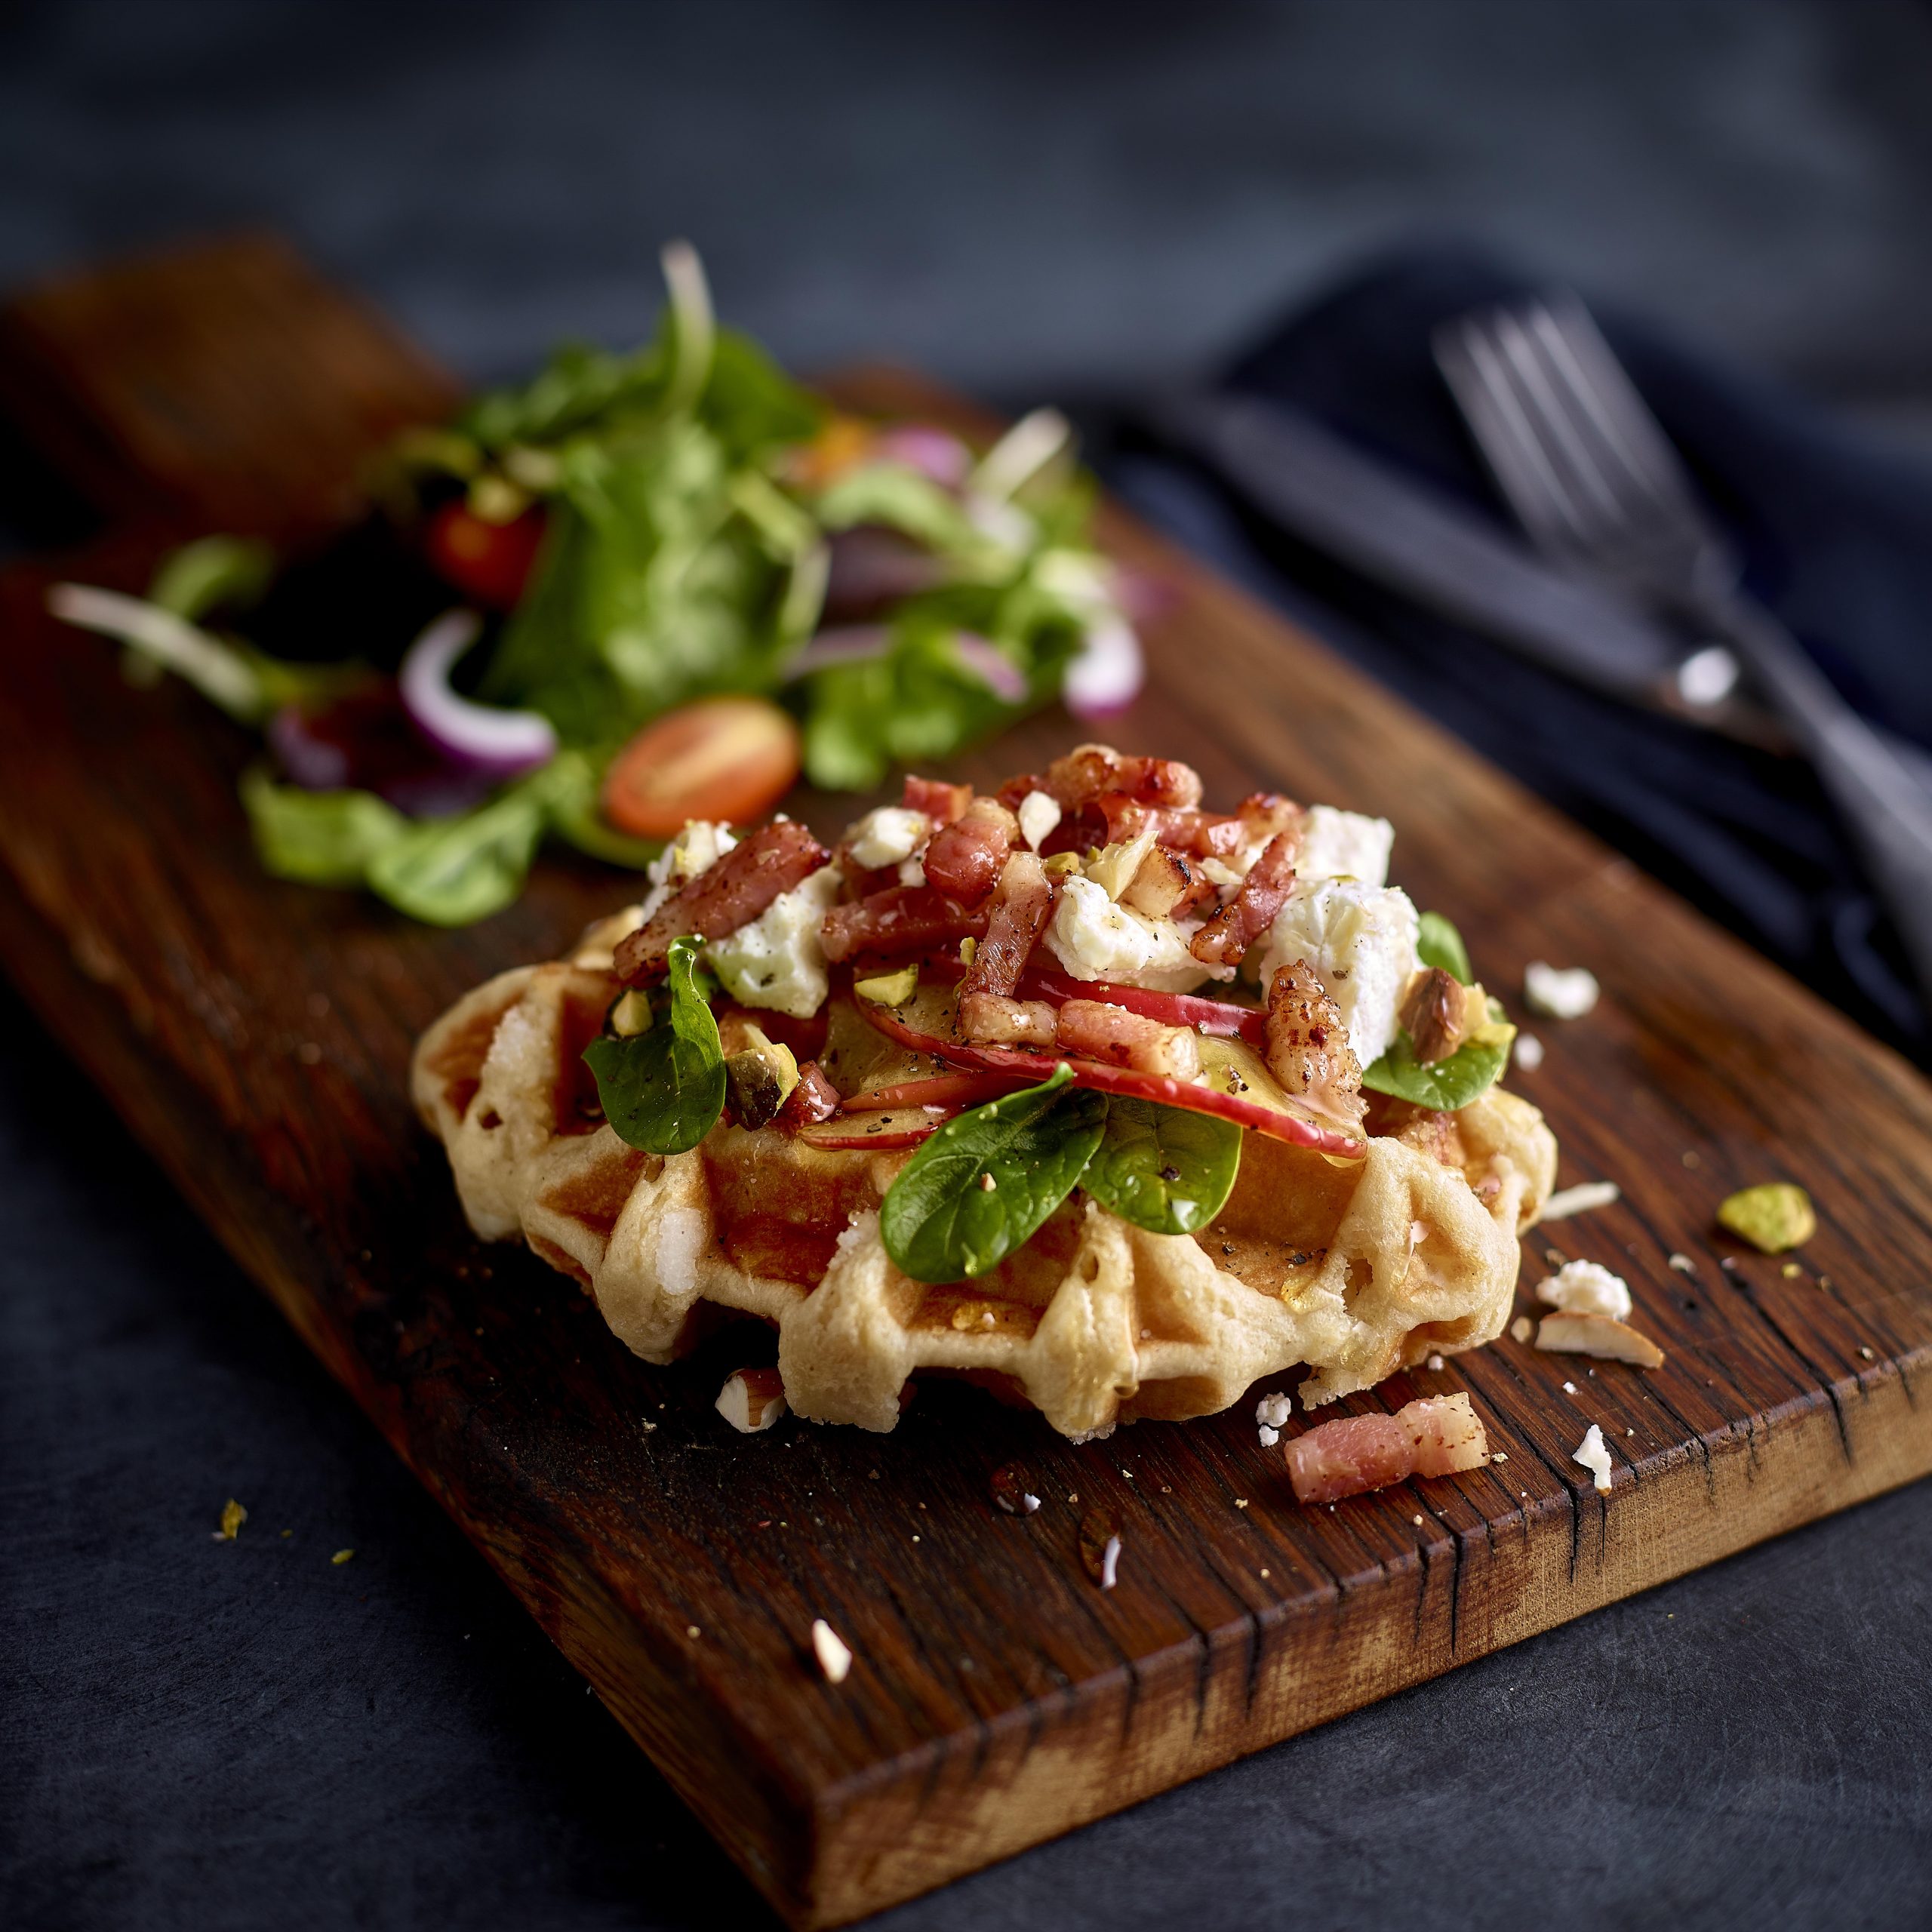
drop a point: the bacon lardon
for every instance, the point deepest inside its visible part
(1113, 1035)
(1089, 771)
(963, 859)
(1436, 1436)
(1181, 828)
(940, 802)
(1016, 914)
(738, 889)
(1225, 939)
(995, 1019)
(903, 918)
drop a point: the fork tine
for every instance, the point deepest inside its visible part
(1479, 374)
(1550, 401)
(1631, 437)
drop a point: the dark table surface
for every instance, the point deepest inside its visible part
(1076, 201)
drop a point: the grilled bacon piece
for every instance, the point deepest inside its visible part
(813, 1098)
(963, 859)
(995, 1019)
(941, 803)
(1268, 815)
(731, 893)
(1089, 771)
(1225, 939)
(1308, 1046)
(903, 918)
(1436, 1436)
(1204, 834)
(1116, 1037)
(1016, 914)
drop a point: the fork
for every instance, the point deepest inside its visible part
(1597, 486)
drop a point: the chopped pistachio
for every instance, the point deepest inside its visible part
(890, 989)
(630, 1014)
(232, 1517)
(1772, 1217)
(759, 1079)
(1063, 865)
(968, 947)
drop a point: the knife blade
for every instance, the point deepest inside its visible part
(1401, 532)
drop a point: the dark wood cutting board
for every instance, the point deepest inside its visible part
(255, 1036)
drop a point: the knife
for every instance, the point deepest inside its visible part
(1399, 532)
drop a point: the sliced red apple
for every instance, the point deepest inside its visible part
(878, 1130)
(1238, 1087)
(1219, 1018)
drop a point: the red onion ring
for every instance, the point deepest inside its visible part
(479, 736)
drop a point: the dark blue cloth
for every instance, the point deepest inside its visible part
(1837, 536)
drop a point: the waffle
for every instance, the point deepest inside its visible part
(1355, 1270)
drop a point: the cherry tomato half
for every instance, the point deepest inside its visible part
(489, 561)
(730, 758)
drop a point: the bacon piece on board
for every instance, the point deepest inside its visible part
(736, 890)
(1436, 1436)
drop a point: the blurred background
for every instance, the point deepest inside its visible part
(1082, 203)
(1071, 200)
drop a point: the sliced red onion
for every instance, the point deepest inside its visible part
(934, 453)
(990, 664)
(364, 739)
(1107, 672)
(502, 743)
(846, 643)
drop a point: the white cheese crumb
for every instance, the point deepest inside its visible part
(1529, 1052)
(834, 1657)
(1595, 1457)
(1683, 1264)
(1587, 1287)
(1272, 1411)
(1339, 844)
(1580, 1200)
(1435, 1361)
(695, 850)
(1269, 1437)
(1569, 1388)
(913, 871)
(1559, 993)
(1360, 940)
(1094, 939)
(1038, 814)
(777, 961)
(1522, 1328)
(886, 837)
(1109, 1563)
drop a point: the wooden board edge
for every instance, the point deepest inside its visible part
(1051, 1767)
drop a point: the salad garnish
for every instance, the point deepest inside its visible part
(685, 579)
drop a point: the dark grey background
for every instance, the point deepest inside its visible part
(1075, 201)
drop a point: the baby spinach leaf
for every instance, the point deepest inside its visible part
(1444, 1085)
(453, 872)
(317, 838)
(1440, 944)
(1164, 1169)
(663, 1090)
(981, 1186)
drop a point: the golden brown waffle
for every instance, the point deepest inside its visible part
(1355, 1269)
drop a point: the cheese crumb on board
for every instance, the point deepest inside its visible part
(834, 1655)
(1272, 1411)
(1580, 1200)
(1559, 993)
(1587, 1287)
(1528, 1052)
(1522, 1328)
(1595, 1457)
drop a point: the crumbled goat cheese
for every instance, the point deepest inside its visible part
(1339, 844)
(1360, 942)
(888, 836)
(1683, 1264)
(1559, 993)
(1587, 1287)
(775, 961)
(913, 871)
(1039, 813)
(1272, 1411)
(1094, 939)
(1522, 1328)
(1529, 1052)
(1579, 1200)
(1595, 1457)
(1269, 1437)
(696, 849)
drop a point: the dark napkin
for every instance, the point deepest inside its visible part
(1836, 532)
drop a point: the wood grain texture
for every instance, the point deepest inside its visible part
(255, 1036)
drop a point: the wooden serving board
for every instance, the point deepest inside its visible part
(256, 1035)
